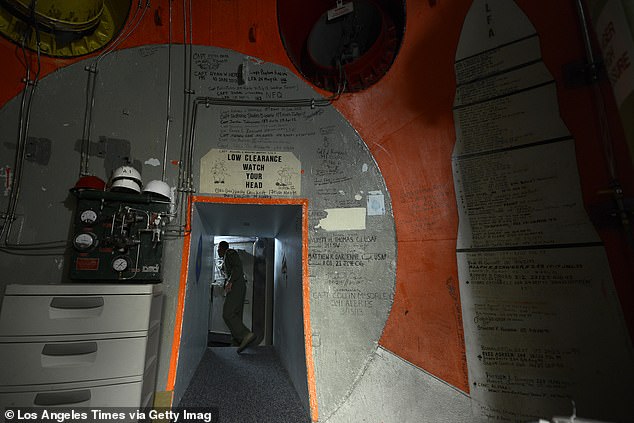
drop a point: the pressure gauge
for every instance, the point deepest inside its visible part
(88, 216)
(120, 264)
(85, 241)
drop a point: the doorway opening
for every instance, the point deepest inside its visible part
(258, 265)
(272, 235)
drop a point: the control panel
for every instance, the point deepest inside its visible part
(118, 237)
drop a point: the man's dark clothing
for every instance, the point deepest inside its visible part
(234, 301)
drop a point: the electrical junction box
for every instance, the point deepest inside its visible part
(118, 237)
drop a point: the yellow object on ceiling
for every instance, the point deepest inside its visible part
(65, 28)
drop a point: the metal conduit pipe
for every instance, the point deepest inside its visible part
(90, 103)
(606, 138)
(91, 84)
(586, 33)
(185, 176)
(24, 117)
(594, 65)
(23, 130)
(189, 183)
(25, 113)
(169, 92)
(127, 30)
(182, 192)
(212, 101)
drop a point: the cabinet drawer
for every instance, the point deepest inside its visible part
(114, 395)
(149, 386)
(27, 363)
(29, 315)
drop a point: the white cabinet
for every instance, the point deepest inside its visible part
(79, 345)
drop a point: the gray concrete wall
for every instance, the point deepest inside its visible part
(351, 229)
(128, 125)
(288, 318)
(414, 395)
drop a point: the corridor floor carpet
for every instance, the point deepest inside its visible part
(251, 387)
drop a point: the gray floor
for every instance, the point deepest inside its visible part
(251, 387)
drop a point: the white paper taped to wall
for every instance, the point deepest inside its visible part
(346, 219)
(376, 203)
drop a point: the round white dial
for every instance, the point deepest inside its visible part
(84, 241)
(88, 216)
(120, 264)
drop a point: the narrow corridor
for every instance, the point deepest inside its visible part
(244, 388)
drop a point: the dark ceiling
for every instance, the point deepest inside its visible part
(249, 220)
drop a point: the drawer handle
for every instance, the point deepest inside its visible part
(74, 303)
(57, 350)
(62, 398)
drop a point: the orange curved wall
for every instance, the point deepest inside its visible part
(406, 120)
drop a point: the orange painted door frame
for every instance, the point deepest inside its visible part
(180, 307)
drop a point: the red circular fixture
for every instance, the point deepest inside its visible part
(347, 53)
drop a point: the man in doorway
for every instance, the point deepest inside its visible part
(235, 288)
